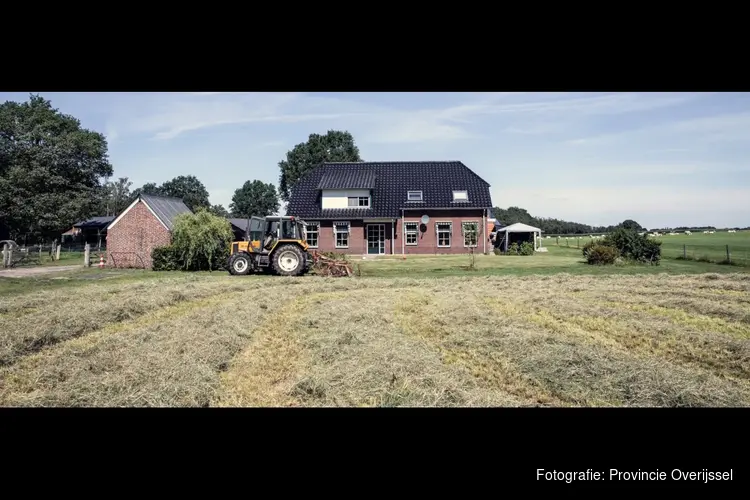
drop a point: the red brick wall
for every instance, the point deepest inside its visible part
(131, 240)
(426, 242)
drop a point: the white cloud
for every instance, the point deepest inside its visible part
(180, 113)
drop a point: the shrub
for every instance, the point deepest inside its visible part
(201, 241)
(526, 248)
(165, 259)
(633, 246)
(600, 254)
(588, 246)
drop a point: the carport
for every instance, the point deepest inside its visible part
(518, 233)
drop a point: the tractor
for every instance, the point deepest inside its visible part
(274, 244)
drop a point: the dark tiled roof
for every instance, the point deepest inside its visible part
(391, 180)
(166, 208)
(348, 178)
(95, 222)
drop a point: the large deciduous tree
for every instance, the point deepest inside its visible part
(334, 146)
(51, 168)
(117, 196)
(188, 187)
(219, 211)
(254, 198)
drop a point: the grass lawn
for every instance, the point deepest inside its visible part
(543, 330)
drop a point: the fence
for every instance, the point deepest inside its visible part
(14, 255)
(737, 254)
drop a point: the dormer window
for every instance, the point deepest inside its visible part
(359, 202)
(414, 196)
(460, 196)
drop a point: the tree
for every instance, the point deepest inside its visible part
(334, 146)
(189, 188)
(51, 169)
(219, 211)
(200, 241)
(254, 198)
(148, 188)
(631, 224)
(117, 196)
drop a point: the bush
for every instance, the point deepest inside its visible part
(633, 246)
(600, 254)
(201, 241)
(165, 259)
(588, 246)
(526, 248)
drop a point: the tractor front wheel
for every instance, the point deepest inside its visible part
(288, 260)
(239, 264)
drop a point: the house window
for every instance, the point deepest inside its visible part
(443, 230)
(471, 233)
(410, 233)
(312, 234)
(460, 196)
(414, 195)
(359, 201)
(341, 233)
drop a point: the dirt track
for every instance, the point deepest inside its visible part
(34, 271)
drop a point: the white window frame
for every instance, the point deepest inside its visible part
(437, 233)
(465, 195)
(308, 232)
(336, 232)
(359, 201)
(414, 231)
(409, 193)
(476, 224)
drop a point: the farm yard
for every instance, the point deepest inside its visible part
(544, 330)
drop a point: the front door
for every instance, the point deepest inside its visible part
(376, 239)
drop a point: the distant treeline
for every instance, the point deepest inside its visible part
(512, 215)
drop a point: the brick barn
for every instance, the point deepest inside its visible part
(146, 224)
(376, 208)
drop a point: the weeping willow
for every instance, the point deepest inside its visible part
(201, 240)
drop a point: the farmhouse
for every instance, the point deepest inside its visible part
(146, 224)
(431, 207)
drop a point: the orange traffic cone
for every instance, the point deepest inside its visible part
(101, 262)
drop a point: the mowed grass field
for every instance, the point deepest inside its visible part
(416, 332)
(698, 246)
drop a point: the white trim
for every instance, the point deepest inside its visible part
(317, 232)
(416, 234)
(112, 224)
(450, 234)
(421, 195)
(475, 245)
(348, 225)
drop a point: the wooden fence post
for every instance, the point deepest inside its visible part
(86, 256)
(57, 252)
(729, 256)
(40, 252)
(5, 255)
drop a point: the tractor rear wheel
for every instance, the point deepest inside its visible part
(288, 260)
(239, 264)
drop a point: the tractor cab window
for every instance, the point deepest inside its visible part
(289, 230)
(272, 228)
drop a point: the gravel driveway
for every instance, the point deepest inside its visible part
(35, 271)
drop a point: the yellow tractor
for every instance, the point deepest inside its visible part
(274, 244)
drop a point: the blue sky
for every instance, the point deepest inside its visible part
(663, 159)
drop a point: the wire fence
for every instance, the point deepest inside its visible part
(14, 255)
(737, 254)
